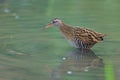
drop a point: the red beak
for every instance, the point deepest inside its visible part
(49, 25)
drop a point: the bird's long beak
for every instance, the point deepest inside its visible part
(49, 25)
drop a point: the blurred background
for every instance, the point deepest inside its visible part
(29, 51)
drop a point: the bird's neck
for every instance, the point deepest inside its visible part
(66, 29)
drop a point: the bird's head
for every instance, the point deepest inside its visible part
(55, 22)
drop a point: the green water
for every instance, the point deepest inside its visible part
(30, 52)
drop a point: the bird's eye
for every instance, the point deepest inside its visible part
(54, 21)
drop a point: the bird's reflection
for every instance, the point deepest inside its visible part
(80, 60)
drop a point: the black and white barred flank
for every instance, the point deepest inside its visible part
(79, 43)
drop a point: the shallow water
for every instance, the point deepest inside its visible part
(28, 51)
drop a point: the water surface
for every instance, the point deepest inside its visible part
(28, 51)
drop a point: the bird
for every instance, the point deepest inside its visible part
(79, 37)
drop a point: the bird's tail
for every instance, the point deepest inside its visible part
(101, 37)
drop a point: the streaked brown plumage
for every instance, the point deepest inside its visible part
(79, 37)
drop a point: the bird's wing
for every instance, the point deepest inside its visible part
(88, 36)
